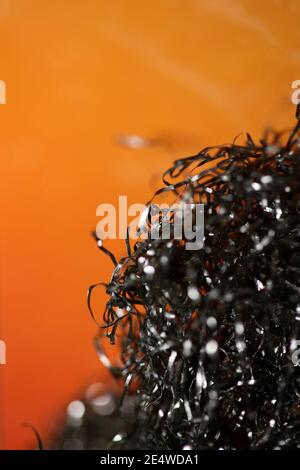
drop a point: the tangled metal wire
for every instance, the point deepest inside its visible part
(208, 338)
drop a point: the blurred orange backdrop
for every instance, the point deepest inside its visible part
(79, 73)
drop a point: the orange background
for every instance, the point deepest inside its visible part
(78, 73)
